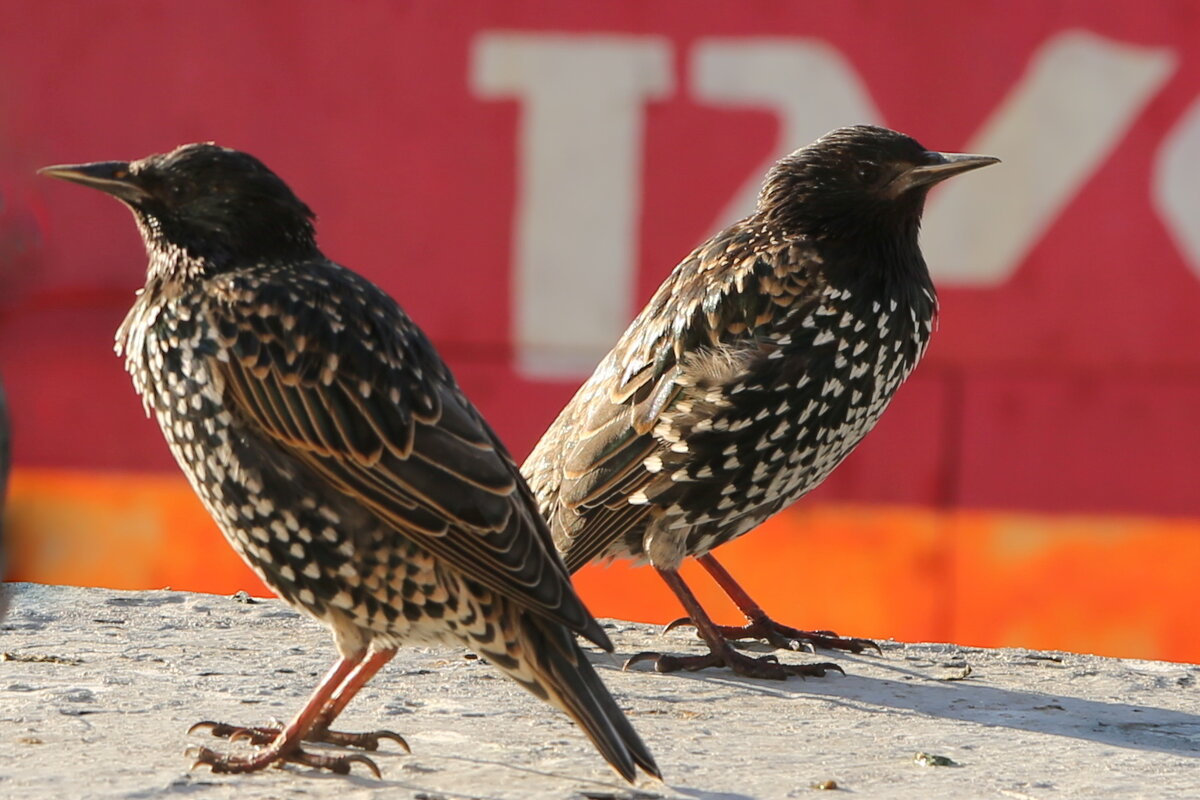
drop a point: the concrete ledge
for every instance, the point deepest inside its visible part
(98, 687)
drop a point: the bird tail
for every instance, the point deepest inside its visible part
(545, 658)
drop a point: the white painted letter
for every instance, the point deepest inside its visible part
(806, 82)
(579, 203)
(1053, 131)
(1177, 185)
(1058, 124)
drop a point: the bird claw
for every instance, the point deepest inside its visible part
(786, 638)
(336, 764)
(640, 657)
(781, 636)
(768, 667)
(265, 734)
(256, 735)
(395, 737)
(682, 622)
(230, 764)
(364, 741)
(214, 726)
(222, 763)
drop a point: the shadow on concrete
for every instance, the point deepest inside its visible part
(971, 700)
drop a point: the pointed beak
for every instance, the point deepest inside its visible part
(111, 177)
(938, 167)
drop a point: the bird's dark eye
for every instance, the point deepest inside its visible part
(868, 173)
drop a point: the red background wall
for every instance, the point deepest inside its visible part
(1058, 397)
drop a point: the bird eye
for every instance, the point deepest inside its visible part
(868, 173)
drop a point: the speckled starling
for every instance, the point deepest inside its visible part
(758, 365)
(337, 454)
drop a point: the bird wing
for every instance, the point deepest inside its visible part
(333, 371)
(602, 470)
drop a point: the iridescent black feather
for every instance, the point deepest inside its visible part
(759, 364)
(332, 445)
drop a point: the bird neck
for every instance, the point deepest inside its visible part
(170, 263)
(879, 266)
(181, 249)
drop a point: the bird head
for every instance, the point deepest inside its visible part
(854, 178)
(217, 206)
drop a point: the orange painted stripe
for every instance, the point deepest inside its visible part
(1110, 585)
(1107, 585)
(122, 531)
(1119, 586)
(863, 571)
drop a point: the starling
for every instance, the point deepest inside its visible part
(337, 454)
(758, 365)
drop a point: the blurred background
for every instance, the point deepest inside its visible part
(522, 175)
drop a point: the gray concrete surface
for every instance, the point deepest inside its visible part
(98, 688)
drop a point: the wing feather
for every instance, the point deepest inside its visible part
(613, 450)
(377, 416)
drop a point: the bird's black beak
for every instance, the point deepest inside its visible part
(112, 177)
(937, 167)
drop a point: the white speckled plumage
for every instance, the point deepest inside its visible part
(336, 452)
(760, 363)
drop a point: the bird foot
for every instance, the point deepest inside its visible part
(265, 734)
(364, 741)
(225, 763)
(767, 667)
(784, 637)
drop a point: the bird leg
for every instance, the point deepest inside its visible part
(283, 744)
(760, 626)
(356, 680)
(363, 671)
(721, 653)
